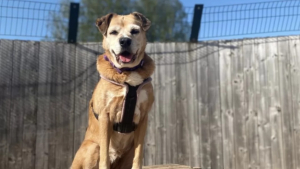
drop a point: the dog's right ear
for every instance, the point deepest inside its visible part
(103, 23)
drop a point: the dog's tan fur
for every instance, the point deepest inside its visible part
(102, 147)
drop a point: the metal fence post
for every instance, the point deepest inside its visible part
(198, 9)
(73, 22)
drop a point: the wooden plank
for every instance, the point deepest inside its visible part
(16, 112)
(196, 99)
(274, 106)
(167, 166)
(29, 81)
(226, 105)
(284, 63)
(65, 54)
(170, 111)
(81, 100)
(251, 89)
(45, 140)
(261, 97)
(160, 156)
(6, 65)
(201, 115)
(215, 127)
(149, 144)
(172, 119)
(183, 131)
(294, 49)
(240, 119)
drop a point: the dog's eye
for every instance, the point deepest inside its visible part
(134, 31)
(113, 33)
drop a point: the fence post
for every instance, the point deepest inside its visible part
(198, 9)
(73, 22)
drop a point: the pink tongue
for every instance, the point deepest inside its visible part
(125, 58)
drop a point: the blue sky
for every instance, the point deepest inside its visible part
(212, 24)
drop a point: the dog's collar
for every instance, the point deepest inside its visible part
(126, 125)
(120, 70)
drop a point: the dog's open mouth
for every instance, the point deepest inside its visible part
(125, 56)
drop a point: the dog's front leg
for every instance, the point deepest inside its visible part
(104, 124)
(139, 136)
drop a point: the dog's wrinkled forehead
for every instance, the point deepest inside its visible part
(124, 22)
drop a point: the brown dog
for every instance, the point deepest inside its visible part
(119, 107)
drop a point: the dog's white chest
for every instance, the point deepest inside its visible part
(142, 97)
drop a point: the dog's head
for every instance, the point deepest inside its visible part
(124, 37)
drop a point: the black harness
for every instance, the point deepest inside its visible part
(126, 125)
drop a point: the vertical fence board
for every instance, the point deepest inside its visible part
(295, 87)
(169, 110)
(274, 106)
(261, 97)
(238, 105)
(181, 96)
(45, 121)
(202, 114)
(226, 105)
(65, 54)
(250, 90)
(81, 102)
(29, 80)
(216, 144)
(159, 108)
(194, 101)
(54, 110)
(286, 102)
(6, 66)
(173, 112)
(16, 112)
(149, 144)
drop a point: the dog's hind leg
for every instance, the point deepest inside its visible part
(87, 156)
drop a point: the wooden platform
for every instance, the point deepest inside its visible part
(167, 166)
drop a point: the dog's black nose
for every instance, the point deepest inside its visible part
(125, 42)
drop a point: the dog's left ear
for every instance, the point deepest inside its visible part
(146, 23)
(103, 23)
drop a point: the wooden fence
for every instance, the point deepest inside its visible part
(219, 104)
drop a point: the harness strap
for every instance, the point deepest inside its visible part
(126, 125)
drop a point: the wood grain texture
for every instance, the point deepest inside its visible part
(201, 115)
(251, 86)
(45, 138)
(262, 109)
(159, 108)
(6, 67)
(214, 113)
(294, 48)
(149, 144)
(284, 65)
(238, 101)
(183, 135)
(29, 80)
(167, 166)
(81, 100)
(226, 104)
(16, 112)
(273, 102)
(65, 104)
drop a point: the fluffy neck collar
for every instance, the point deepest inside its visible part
(105, 68)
